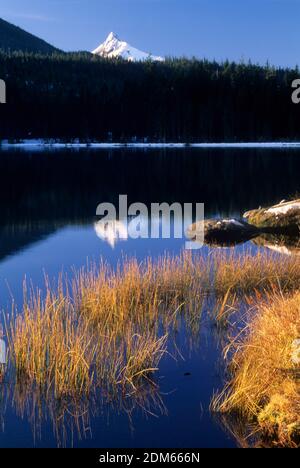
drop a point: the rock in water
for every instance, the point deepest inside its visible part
(283, 217)
(223, 231)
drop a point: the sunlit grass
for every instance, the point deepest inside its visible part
(246, 273)
(265, 386)
(50, 345)
(55, 347)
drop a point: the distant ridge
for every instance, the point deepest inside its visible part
(13, 38)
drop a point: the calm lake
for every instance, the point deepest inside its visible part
(48, 203)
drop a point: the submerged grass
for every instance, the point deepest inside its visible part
(71, 418)
(265, 363)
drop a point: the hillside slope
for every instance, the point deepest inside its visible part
(13, 38)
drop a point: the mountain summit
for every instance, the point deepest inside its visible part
(114, 47)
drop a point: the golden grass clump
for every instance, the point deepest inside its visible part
(143, 293)
(142, 356)
(265, 386)
(51, 346)
(55, 347)
(246, 272)
(111, 328)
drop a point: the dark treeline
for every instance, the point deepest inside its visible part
(80, 96)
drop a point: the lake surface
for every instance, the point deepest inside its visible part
(48, 201)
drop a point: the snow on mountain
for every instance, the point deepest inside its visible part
(113, 47)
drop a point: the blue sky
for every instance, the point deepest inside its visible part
(236, 29)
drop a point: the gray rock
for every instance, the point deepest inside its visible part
(223, 231)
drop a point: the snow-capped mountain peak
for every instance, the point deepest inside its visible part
(113, 47)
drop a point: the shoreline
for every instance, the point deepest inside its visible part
(40, 144)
